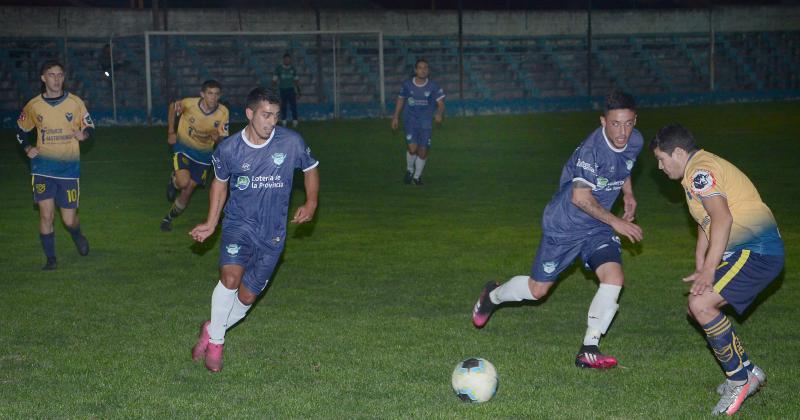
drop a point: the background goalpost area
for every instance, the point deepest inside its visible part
(341, 72)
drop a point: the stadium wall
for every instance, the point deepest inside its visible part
(95, 22)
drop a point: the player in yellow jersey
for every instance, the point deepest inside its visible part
(739, 252)
(203, 123)
(61, 122)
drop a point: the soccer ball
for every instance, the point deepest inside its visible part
(475, 380)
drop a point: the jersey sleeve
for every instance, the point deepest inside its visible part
(305, 160)
(183, 105)
(223, 127)
(27, 120)
(405, 92)
(221, 171)
(705, 179)
(294, 72)
(584, 167)
(86, 120)
(439, 93)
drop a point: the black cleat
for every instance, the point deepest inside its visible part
(83, 245)
(408, 177)
(166, 225)
(50, 264)
(172, 192)
(418, 181)
(484, 306)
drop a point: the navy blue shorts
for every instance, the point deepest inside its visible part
(66, 192)
(197, 171)
(743, 275)
(236, 247)
(419, 136)
(555, 254)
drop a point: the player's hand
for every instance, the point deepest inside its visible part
(172, 138)
(438, 119)
(32, 152)
(629, 230)
(395, 123)
(304, 213)
(202, 231)
(630, 208)
(703, 282)
(79, 135)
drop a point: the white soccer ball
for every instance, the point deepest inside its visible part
(475, 380)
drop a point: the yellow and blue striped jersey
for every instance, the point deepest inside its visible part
(55, 120)
(754, 227)
(196, 127)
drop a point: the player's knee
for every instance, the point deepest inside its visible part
(247, 298)
(699, 307)
(539, 289)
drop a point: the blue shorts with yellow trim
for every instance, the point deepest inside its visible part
(197, 171)
(65, 192)
(743, 275)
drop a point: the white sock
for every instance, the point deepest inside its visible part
(238, 312)
(221, 303)
(410, 162)
(601, 313)
(420, 164)
(514, 290)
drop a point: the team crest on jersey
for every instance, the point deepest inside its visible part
(427, 93)
(702, 181)
(40, 188)
(242, 182)
(39, 118)
(185, 160)
(216, 124)
(22, 116)
(191, 120)
(549, 267)
(69, 116)
(602, 182)
(616, 239)
(629, 164)
(278, 158)
(308, 151)
(233, 249)
(245, 166)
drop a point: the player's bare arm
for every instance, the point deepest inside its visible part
(582, 198)
(439, 111)
(216, 201)
(398, 107)
(720, 228)
(629, 201)
(700, 249)
(306, 212)
(174, 108)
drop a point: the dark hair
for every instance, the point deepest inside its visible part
(421, 60)
(260, 94)
(47, 65)
(287, 55)
(210, 84)
(672, 136)
(619, 99)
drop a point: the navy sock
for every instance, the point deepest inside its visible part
(75, 232)
(727, 347)
(49, 244)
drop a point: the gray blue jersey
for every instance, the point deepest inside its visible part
(601, 166)
(260, 182)
(420, 102)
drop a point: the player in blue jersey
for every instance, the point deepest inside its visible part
(254, 170)
(739, 252)
(425, 105)
(62, 123)
(578, 221)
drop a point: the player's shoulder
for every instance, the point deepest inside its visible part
(33, 101)
(287, 134)
(703, 159)
(223, 109)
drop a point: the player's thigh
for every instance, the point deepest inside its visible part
(235, 254)
(553, 256)
(68, 193)
(47, 210)
(260, 270)
(743, 275)
(602, 253)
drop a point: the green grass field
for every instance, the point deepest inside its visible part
(369, 311)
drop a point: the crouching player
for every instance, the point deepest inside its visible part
(255, 167)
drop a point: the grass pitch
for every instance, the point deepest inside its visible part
(369, 311)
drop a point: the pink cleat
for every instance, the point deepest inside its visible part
(484, 306)
(199, 349)
(589, 357)
(214, 357)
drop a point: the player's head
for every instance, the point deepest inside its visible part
(287, 59)
(52, 76)
(211, 91)
(672, 147)
(421, 69)
(619, 117)
(263, 109)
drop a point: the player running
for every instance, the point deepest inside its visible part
(256, 168)
(203, 123)
(425, 104)
(578, 221)
(739, 252)
(62, 123)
